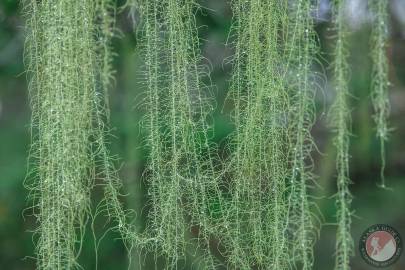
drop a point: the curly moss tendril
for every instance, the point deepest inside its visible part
(341, 118)
(300, 50)
(103, 161)
(380, 81)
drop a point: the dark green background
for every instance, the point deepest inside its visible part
(371, 204)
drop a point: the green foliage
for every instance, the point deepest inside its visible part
(341, 119)
(380, 82)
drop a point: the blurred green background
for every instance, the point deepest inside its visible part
(371, 204)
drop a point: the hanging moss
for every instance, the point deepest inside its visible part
(67, 85)
(61, 61)
(341, 119)
(180, 168)
(105, 23)
(271, 223)
(299, 52)
(259, 161)
(266, 220)
(105, 19)
(380, 81)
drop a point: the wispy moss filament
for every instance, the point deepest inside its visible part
(342, 122)
(380, 81)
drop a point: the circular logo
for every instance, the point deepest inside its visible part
(380, 245)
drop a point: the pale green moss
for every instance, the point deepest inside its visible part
(266, 220)
(180, 169)
(380, 81)
(300, 52)
(341, 121)
(259, 163)
(61, 56)
(68, 81)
